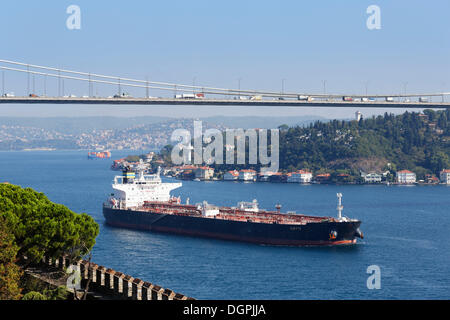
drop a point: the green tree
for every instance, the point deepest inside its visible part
(43, 227)
(10, 272)
(33, 295)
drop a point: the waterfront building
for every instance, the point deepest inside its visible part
(264, 176)
(372, 177)
(187, 175)
(277, 177)
(247, 175)
(343, 178)
(204, 173)
(322, 177)
(445, 176)
(406, 177)
(232, 175)
(301, 176)
(431, 179)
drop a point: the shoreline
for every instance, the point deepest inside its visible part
(313, 184)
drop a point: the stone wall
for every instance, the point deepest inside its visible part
(115, 284)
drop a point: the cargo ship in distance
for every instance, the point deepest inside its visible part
(144, 202)
(99, 155)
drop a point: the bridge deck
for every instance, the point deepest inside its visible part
(222, 102)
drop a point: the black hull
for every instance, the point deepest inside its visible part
(311, 234)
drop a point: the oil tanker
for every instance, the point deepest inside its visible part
(144, 202)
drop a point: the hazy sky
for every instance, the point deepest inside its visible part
(217, 42)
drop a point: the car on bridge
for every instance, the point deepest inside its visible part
(389, 99)
(9, 95)
(123, 95)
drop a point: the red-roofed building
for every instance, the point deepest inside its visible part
(322, 177)
(301, 176)
(431, 179)
(187, 175)
(247, 175)
(232, 175)
(277, 177)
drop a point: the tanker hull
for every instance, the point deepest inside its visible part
(325, 233)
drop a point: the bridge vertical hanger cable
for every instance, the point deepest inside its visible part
(28, 79)
(59, 83)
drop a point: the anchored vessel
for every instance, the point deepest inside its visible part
(144, 202)
(99, 155)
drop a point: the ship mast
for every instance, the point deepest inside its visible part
(340, 207)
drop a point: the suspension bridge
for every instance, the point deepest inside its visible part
(184, 94)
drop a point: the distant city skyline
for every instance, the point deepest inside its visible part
(288, 46)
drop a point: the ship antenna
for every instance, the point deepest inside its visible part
(340, 207)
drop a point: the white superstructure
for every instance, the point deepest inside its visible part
(132, 190)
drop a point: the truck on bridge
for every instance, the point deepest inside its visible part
(190, 96)
(304, 98)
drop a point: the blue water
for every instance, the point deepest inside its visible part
(407, 234)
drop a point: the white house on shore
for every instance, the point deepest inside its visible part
(232, 175)
(300, 176)
(406, 177)
(372, 177)
(247, 175)
(445, 176)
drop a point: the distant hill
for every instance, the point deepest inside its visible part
(19, 133)
(78, 125)
(413, 141)
(262, 122)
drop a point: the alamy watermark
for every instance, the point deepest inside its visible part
(374, 280)
(73, 22)
(74, 279)
(239, 145)
(374, 20)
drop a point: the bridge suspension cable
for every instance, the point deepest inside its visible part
(176, 86)
(167, 86)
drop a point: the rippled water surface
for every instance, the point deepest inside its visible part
(406, 234)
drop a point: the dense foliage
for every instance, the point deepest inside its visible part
(10, 273)
(42, 227)
(418, 142)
